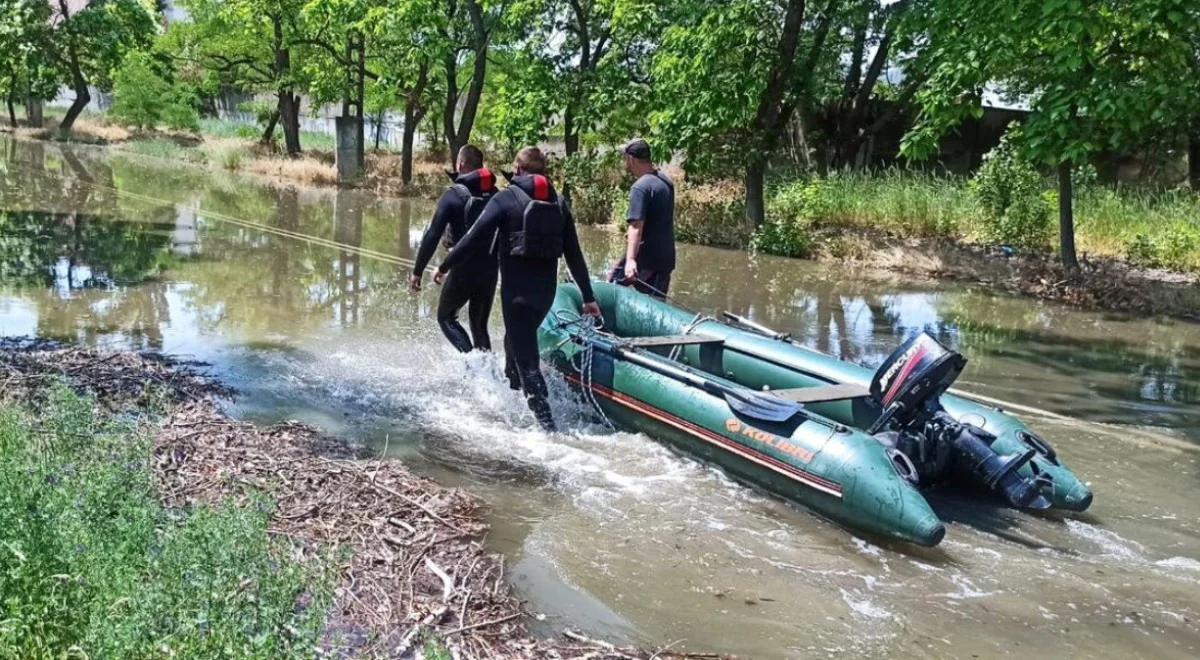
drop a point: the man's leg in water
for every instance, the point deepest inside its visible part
(480, 308)
(456, 292)
(521, 351)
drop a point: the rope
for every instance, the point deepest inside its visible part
(587, 328)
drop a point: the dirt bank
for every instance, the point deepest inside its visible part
(1102, 284)
(410, 556)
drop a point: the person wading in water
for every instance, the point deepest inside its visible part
(530, 228)
(650, 243)
(473, 284)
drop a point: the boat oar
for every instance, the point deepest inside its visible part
(743, 401)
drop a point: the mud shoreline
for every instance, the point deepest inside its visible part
(411, 562)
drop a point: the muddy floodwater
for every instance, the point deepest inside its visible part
(297, 299)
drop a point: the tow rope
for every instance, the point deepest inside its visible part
(587, 328)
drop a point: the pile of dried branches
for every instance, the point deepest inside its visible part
(117, 380)
(411, 559)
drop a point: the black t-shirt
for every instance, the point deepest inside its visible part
(652, 200)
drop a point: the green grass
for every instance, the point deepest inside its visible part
(163, 148)
(1144, 226)
(92, 565)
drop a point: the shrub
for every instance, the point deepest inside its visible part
(791, 212)
(179, 110)
(143, 99)
(1009, 189)
(712, 214)
(138, 92)
(596, 187)
(1176, 247)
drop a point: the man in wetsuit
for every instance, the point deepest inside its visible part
(650, 243)
(530, 228)
(473, 284)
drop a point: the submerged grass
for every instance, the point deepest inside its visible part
(93, 565)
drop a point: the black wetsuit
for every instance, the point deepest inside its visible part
(527, 285)
(473, 284)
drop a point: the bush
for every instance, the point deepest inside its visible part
(791, 212)
(1009, 189)
(596, 187)
(94, 566)
(712, 214)
(143, 99)
(179, 110)
(1175, 247)
(138, 92)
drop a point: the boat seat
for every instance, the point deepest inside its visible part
(672, 340)
(819, 393)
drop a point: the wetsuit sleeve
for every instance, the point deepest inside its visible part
(449, 204)
(573, 254)
(479, 237)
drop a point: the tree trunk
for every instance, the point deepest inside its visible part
(289, 116)
(459, 133)
(414, 112)
(82, 95)
(406, 149)
(570, 133)
(378, 129)
(12, 112)
(1194, 162)
(756, 171)
(33, 112)
(268, 135)
(773, 112)
(1066, 218)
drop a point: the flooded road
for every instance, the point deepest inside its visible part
(297, 299)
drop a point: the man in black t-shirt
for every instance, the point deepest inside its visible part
(650, 243)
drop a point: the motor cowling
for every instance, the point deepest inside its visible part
(908, 386)
(917, 373)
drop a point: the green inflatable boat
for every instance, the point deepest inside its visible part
(853, 445)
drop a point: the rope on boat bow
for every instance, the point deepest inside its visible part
(589, 326)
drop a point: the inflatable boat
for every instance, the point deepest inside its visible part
(854, 445)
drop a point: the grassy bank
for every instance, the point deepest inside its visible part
(94, 565)
(236, 147)
(829, 215)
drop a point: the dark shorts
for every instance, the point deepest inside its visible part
(654, 283)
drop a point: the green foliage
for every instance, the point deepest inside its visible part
(144, 99)
(139, 92)
(1177, 249)
(597, 186)
(92, 564)
(791, 212)
(1009, 190)
(712, 214)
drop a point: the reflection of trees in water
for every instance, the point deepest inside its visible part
(35, 248)
(347, 230)
(137, 315)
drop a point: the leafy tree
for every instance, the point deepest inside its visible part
(729, 76)
(1098, 75)
(249, 45)
(27, 71)
(91, 41)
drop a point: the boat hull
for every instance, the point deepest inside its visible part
(821, 459)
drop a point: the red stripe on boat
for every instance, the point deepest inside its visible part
(766, 460)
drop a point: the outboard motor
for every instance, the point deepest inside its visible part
(908, 386)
